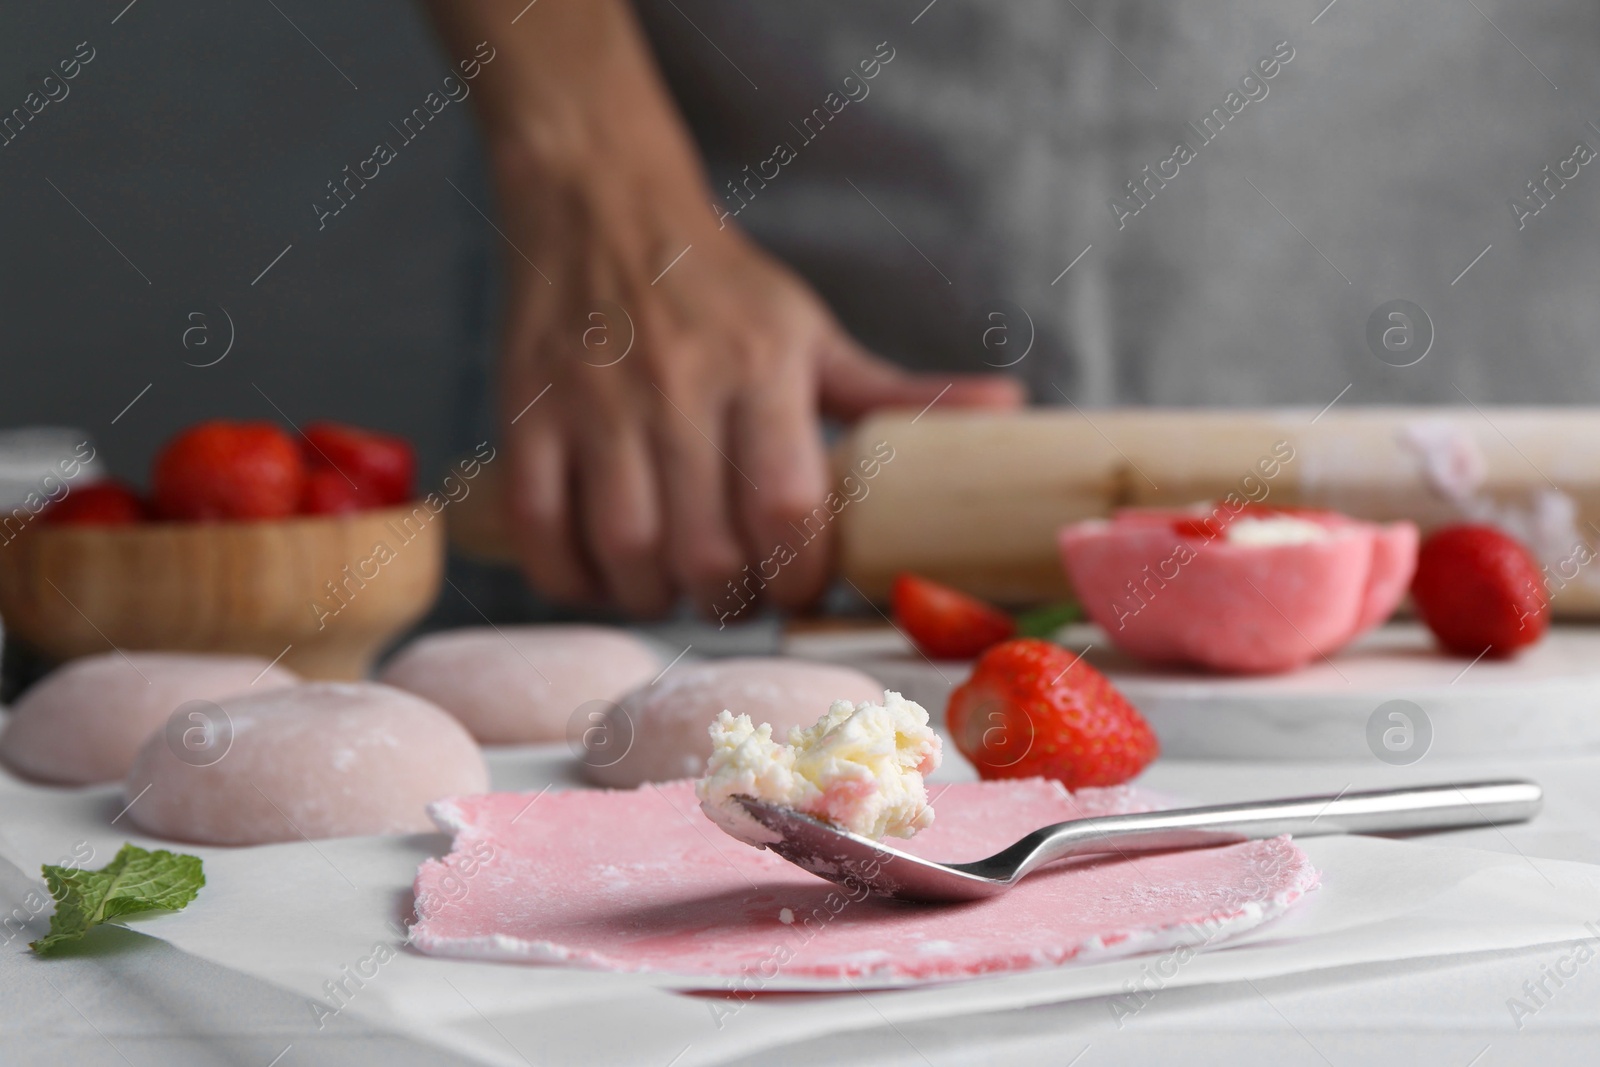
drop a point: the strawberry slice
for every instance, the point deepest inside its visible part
(1480, 591)
(100, 504)
(1034, 709)
(945, 623)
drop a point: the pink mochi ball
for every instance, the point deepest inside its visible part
(84, 722)
(518, 685)
(659, 732)
(323, 759)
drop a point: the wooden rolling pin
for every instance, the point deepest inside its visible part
(975, 499)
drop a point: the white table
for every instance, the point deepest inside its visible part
(138, 1000)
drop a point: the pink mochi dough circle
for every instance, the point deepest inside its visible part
(321, 759)
(521, 684)
(1237, 608)
(641, 881)
(661, 729)
(84, 722)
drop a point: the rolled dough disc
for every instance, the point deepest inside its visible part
(640, 880)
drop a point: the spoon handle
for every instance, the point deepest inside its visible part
(1431, 807)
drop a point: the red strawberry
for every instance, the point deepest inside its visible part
(1207, 528)
(1478, 589)
(1032, 708)
(99, 504)
(328, 492)
(221, 470)
(381, 466)
(946, 623)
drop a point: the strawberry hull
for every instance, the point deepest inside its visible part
(1251, 608)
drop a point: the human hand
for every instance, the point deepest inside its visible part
(676, 375)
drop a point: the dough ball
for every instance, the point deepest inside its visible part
(323, 759)
(521, 684)
(659, 732)
(84, 722)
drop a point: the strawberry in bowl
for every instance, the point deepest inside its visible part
(1249, 590)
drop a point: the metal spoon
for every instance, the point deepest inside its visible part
(854, 861)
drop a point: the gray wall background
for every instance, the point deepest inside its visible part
(196, 141)
(1378, 167)
(201, 134)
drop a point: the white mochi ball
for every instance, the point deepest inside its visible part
(658, 732)
(323, 759)
(84, 722)
(521, 684)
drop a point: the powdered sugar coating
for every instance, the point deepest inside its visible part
(84, 722)
(666, 722)
(323, 759)
(516, 685)
(640, 881)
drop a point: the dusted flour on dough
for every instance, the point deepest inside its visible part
(860, 768)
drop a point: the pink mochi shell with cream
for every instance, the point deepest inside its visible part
(1164, 591)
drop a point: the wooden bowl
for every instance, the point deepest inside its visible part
(324, 593)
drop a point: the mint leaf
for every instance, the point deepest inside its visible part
(1044, 622)
(135, 880)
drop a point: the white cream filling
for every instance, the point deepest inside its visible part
(859, 768)
(1278, 530)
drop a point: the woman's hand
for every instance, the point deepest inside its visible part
(676, 374)
(661, 377)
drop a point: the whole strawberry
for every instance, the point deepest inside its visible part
(1034, 709)
(945, 623)
(327, 492)
(221, 470)
(100, 504)
(379, 467)
(1480, 591)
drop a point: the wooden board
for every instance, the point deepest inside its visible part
(1546, 700)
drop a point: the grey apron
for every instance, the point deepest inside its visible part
(1391, 147)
